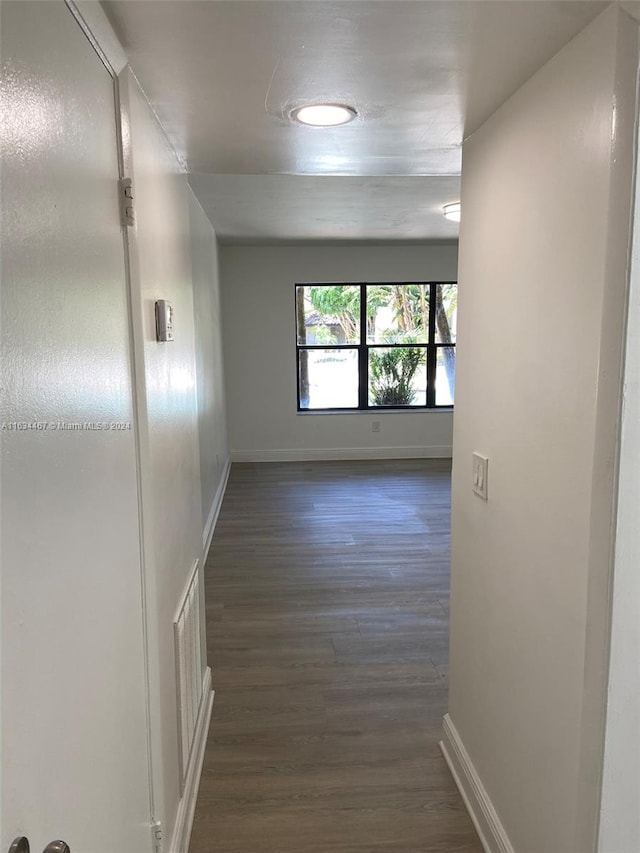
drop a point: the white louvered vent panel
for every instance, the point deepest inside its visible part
(188, 668)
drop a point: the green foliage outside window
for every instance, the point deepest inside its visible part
(391, 375)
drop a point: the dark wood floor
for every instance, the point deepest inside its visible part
(327, 600)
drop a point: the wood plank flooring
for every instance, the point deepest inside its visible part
(327, 592)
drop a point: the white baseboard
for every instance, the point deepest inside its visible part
(492, 834)
(210, 526)
(187, 806)
(338, 453)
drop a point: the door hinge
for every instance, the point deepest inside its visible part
(127, 211)
(157, 837)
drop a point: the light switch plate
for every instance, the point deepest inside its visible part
(480, 475)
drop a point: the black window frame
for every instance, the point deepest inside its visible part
(363, 348)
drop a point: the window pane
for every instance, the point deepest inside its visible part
(328, 378)
(328, 314)
(445, 376)
(446, 313)
(397, 376)
(397, 313)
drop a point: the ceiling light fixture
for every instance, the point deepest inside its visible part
(452, 211)
(324, 115)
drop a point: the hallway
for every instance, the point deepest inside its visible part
(327, 599)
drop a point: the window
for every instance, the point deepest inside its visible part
(371, 346)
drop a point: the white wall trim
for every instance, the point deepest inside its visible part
(187, 806)
(212, 520)
(90, 15)
(485, 818)
(336, 453)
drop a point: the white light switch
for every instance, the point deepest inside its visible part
(480, 475)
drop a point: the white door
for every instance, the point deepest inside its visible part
(74, 753)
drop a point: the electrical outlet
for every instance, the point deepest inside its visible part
(375, 426)
(480, 473)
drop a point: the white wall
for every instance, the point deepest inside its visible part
(543, 251)
(260, 353)
(168, 418)
(74, 750)
(79, 346)
(212, 418)
(620, 818)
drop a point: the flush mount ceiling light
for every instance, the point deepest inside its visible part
(324, 115)
(452, 211)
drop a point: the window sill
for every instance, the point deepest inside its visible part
(416, 410)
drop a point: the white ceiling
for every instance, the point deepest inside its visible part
(289, 208)
(223, 76)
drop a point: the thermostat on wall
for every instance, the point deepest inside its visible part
(164, 320)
